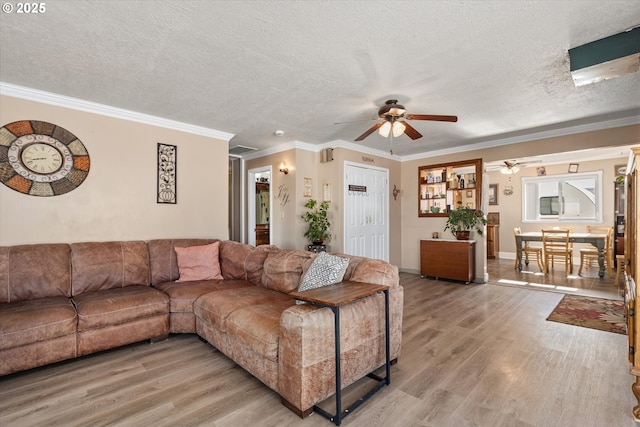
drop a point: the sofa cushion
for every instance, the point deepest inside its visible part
(29, 272)
(115, 306)
(374, 271)
(199, 262)
(108, 265)
(283, 270)
(254, 264)
(325, 270)
(163, 259)
(232, 258)
(258, 327)
(183, 295)
(26, 322)
(215, 307)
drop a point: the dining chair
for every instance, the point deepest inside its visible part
(556, 244)
(527, 250)
(590, 254)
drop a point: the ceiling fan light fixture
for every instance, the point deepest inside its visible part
(385, 129)
(398, 128)
(509, 170)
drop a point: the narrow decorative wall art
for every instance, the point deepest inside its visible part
(167, 178)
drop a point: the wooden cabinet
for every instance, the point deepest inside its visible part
(441, 187)
(632, 267)
(262, 234)
(448, 259)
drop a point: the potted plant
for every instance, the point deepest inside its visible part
(318, 222)
(463, 219)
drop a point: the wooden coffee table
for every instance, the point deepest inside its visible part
(334, 297)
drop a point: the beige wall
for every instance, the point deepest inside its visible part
(289, 228)
(117, 201)
(286, 226)
(415, 228)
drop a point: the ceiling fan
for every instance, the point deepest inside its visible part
(393, 121)
(513, 166)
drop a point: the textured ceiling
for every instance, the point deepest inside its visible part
(251, 67)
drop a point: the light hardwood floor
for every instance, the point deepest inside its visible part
(502, 271)
(476, 355)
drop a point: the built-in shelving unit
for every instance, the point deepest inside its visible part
(442, 186)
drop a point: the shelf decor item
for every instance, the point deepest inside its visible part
(463, 219)
(316, 217)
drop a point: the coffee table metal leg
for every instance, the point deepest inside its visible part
(338, 420)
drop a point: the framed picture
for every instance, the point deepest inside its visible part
(326, 193)
(167, 174)
(493, 194)
(541, 171)
(469, 193)
(307, 188)
(573, 167)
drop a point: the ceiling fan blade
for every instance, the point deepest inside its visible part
(410, 131)
(371, 130)
(431, 117)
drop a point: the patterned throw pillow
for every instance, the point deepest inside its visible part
(325, 270)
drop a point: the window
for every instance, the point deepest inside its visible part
(556, 198)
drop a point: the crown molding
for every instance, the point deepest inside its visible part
(339, 143)
(49, 98)
(290, 145)
(570, 130)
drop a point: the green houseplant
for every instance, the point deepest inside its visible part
(463, 219)
(319, 224)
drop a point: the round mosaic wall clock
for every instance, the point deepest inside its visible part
(41, 159)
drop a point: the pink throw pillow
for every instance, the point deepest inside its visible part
(199, 263)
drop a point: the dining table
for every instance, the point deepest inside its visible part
(596, 239)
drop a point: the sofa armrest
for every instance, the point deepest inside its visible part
(307, 348)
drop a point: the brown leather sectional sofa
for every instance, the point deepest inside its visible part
(60, 301)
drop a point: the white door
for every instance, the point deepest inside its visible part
(366, 204)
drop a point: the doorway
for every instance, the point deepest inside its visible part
(259, 206)
(366, 213)
(236, 216)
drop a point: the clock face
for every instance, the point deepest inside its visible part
(41, 159)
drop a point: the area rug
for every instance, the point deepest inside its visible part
(595, 313)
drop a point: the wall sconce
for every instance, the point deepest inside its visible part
(284, 169)
(395, 192)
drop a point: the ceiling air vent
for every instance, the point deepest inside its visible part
(607, 58)
(239, 150)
